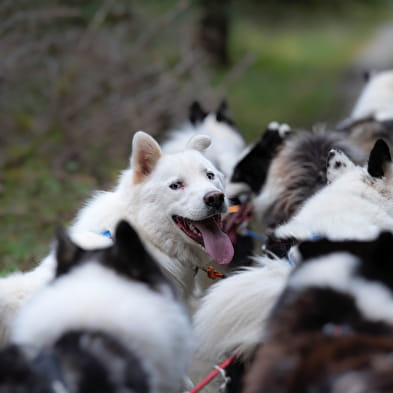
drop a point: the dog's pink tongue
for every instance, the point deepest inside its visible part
(217, 243)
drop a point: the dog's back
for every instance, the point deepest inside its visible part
(331, 324)
(121, 294)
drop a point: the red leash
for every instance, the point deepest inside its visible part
(206, 380)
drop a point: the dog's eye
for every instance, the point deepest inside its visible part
(176, 186)
(210, 175)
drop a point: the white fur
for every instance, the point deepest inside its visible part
(338, 271)
(270, 192)
(284, 130)
(354, 206)
(232, 315)
(148, 206)
(376, 99)
(233, 190)
(337, 164)
(17, 288)
(153, 203)
(333, 271)
(91, 297)
(227, 143)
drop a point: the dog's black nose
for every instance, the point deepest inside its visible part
(214, 199)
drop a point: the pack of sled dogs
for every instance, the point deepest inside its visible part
(276, 254)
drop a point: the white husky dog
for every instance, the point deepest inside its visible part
(175, 203)
(227, 143)
(118, 291)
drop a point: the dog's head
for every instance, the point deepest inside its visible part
(377, 174)
(127, 256)
(197, 114)
(227, 141)
(178, 198)
(100, 289)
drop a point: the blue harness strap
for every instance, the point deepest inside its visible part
(47, 364)
(289, 261)
(315, 236)
(254, 235)
(106, 234)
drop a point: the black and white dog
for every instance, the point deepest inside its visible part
(331, 329)
(247, 179)
(109, 321)
(227, 142)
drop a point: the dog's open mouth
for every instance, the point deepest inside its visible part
(238, 218)
(208, 233)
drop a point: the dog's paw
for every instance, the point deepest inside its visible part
(282, 129)
(273, 126)
(337, 163)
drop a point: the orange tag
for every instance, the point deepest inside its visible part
(233, 209)
(213, 274)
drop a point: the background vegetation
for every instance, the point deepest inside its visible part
(77, 78)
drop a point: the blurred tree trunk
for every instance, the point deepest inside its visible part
(213, 30)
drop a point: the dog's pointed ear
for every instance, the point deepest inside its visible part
(127, 241)
(199, 142)
(130, 257)
(145, 154)
(222, 114)
(379, 159)
(67, 252)
(222, 109)
(196, 113)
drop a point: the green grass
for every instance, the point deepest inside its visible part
(38, 203)
(298, 68)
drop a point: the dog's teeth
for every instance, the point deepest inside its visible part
(193, 228)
